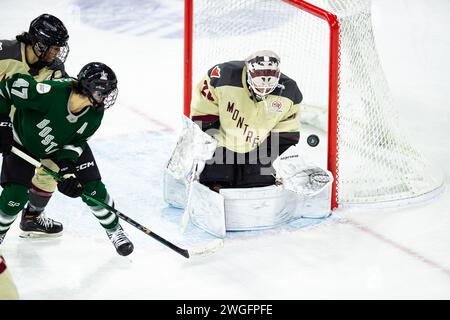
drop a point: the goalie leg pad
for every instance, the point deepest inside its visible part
(268, 207)
(258, 208)
(245, 209)
(316, 206)
(207, 210)
(175, 190)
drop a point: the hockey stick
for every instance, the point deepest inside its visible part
(212, 247)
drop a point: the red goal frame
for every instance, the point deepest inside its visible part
(333, 86)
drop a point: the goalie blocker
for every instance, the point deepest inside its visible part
(301, 189)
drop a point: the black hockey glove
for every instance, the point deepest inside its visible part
(6, 135)
(70, 186)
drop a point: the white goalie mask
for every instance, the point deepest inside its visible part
(263, 72)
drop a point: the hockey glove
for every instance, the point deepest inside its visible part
(6, 135)
(300, 175)
(71, 185)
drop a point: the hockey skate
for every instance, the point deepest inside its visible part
(120, 241)
(40, 226)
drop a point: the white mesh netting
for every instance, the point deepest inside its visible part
(376, 163)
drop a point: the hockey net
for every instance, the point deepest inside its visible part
(328, 48)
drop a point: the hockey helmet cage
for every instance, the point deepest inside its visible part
(263, 72)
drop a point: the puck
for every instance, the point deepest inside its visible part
(313, 140)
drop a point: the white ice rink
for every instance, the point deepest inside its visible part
(360, 254)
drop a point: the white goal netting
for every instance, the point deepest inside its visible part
(376, 162)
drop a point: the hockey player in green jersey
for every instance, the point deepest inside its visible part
(53, 121)
(41, 53)
(252, 110)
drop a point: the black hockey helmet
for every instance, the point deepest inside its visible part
(98, 82)
(47, 31)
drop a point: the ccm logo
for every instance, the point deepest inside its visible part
(6, 124)
(85, 165)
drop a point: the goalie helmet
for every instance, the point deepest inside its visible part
(263, 72)
(45, 32)
(98, 82)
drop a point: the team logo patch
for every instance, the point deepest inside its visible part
(43, 88)
(103, 76)
(277, 106)
(215, 73)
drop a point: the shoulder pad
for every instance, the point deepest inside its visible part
(226, 74)
(10, 49)
(289, 89)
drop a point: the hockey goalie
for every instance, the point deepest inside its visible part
(236, 165)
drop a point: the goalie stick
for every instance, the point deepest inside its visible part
(201, 251)
(185, 217)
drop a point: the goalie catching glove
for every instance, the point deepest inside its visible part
(70, 186)
(299, 176)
